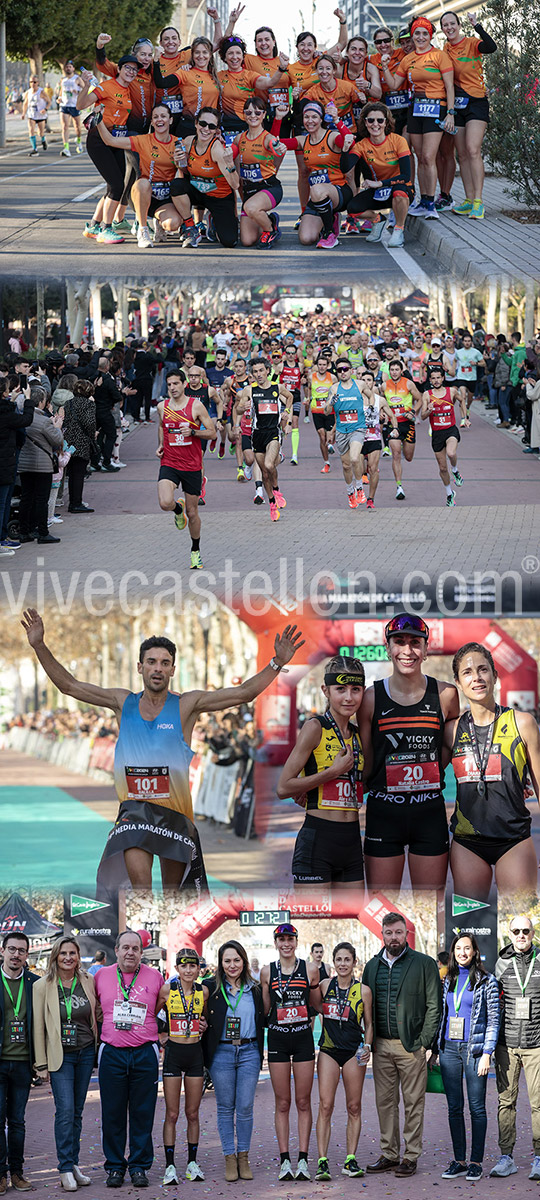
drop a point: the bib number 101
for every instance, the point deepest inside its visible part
(147, 783)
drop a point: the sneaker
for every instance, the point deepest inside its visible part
(221, 451)
(108, 237)
(327, 243)
(286, 1173)
(180, 518)
(203, 489)
(33, 153)
(400, 494)
(462, 209)
(377, 231)
(535, 1167)
(248, 472)
(386, 452)
(6, 551)
(10, 543)
(451, 500)
(192, 237)
(431, 213)
(325, 470)
(350, 1167)
(370, 503)
(79, 148)
(65, 153)
(294, 461)
(110, 467)
(170, 1175)
(322, 1173)
(196, 565)
(160, 235)
(360, 496)
(302, 1172)
(43, 143)
(365, 480)
(297, 222)
(353, 502)
(274, 514)
(144, 238)
(331, 448)
(212, 446)
(193, 1170)
(462, 423)
(268, 239)
(478, 211)
(457, 477)
(280, 498)
(397, 238)
(123, 226)
(56, 520)
(391, 219)
(455, 1170)
(211, 235)
(135, 227)
(258, 497)
(232, 449)
(503, 1167)
(349, 226)
(442, 203)
(240, 476)
(474, 1173)
(202, 231)
(116, 463)
(417, 209)
(91, 229)
(306, 420)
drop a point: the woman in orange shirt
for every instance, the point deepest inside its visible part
(332, 90)
(385, 163)
(472, 116)
(142, 88)
(397, 102)
(357, 68)
(199, 86)
(210, 181)
(173, 57)
(238, 83)
(158, 158)
(259, 155)
(329, 192)
(431, 77)
(114, 99)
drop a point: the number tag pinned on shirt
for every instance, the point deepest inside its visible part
(412, 773)
(382, 193)
(161, 190)
(127, 1013)
(319, 177)
(426, 108)
(148, 783)
(289, 1014)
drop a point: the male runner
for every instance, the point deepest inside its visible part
(151, 766)
(196, 388)
(400, 393)
(438, 404)
(293, 377)
(67, 91)
(468, 361)
(183, 424)
(345, 400)
(35, 106)
(270, 411)
(375, 410)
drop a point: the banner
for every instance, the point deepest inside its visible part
(91, 921)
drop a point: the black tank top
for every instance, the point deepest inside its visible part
(289, 1000)
(266, 406)
(342, 1017)
(501, 812)
(407, 744)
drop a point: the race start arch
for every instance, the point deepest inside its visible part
(201, 919)
(276, 708)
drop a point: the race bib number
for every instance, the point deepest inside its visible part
(396, 99)
(251, 173)
(229, 136)
(348, 418)
(412, 773)
(179, 439)
(161, 191)
(290, 1014)
(426, 108)
(461, 102)
(318, 406)
(68, 1033)
(232, 1029)
(278, 96)
(522, 1009)
(17, 1032)
(382, 193)
(443, 420)
(339, 793)
(181, 1027)
(331, 1010)
(204, 185)
(467, 771)
(174, 103)
(319, 177)
(268, 409)
(148, 783)
(127, 1013)
(119, 131)
(456, 1026)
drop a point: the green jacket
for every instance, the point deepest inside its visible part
(419, 1002)
(518, 358)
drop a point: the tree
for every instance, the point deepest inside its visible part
(513, 137)
(39, 31)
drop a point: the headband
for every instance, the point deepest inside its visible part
(315, 106)
(423, 23)
(344, 678)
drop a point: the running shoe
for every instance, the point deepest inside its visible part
(535, 1167)
(443, 202)
(431, 213)
(170, 1175)
(135, 227)
(43, 143)
(462, 423)
(477, 213)
(462, 209)
(370, 504)
(306, 420)
(325, 470)
(196, 565)
(451, 500)
(457, 477)
(268, 239)
(91, 229)
(123, 226)
(302, 1172)
(258, 497)
(240, 476)
(192, 237)
(349, 226)
(202, 230)
(212, 446)
(274, 514)
(193, 1170)
(360, 496)
(294, 461)
(144, 238)
(280, 498)
(286, 1173)
(331, 448)
(297, 222)
(327, 243)
(108, 237)
(248, 472)
(397, 238)
(203, 488)
(221, 451)
(353, 502)
(504, 1166)
(386, 452)
(418, 209)
(160, 235)
(391, 219)
(400, 494)
(365, 479)
(376, 232)
(65, 153)
(211, 235)
(351, 1168)
(33, 152)
(79, 148)
(455, 1170)
(322, 1173)
(232, 449)
(180, 518)
(474, 1173)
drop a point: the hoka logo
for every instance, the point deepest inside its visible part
(165, 726)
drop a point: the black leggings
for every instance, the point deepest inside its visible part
(110, 163)
(33, 507)
(221, 208)
(76, 470)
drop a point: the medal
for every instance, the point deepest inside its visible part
(482, 759)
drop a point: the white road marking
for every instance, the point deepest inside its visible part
(409, 267)
(90, 192)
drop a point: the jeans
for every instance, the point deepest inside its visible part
(128, 1080)
(15, 1080)
(235, 1071)
(503, 397)
(69, 1087)
(454, 1065)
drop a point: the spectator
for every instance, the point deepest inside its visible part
(13, 422)
(16, 1031)
(80, 432)
(37, 463)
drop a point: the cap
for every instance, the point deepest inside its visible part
(284, 930)
(404, 33)
(128, 58)
(436, 342)
(407, 623)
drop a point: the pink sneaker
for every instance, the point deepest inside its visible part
(280, 499)
(327, 243)
(274, 511)
(360, 496)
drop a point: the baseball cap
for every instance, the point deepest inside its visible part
(407, 623)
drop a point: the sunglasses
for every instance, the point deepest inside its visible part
(342, 370)
(375, 120)
(383, 42)
(407, 623)
(285, 930)
(518, 931)
(206, 125)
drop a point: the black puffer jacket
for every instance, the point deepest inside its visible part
(11, 422)
(513, 1032)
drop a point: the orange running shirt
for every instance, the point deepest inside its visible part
(236, 88)
(322, 162)
(467, 63)
(204, 173)
(156, 159)
(424, 72)
(116, 101)
(383, 159)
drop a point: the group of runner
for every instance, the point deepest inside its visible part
(177, 136)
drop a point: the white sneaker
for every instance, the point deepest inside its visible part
(331, 448)
(144, 240)
(66, 152)
(160, 234)
(56, 520)
(193, 1171)
(535, 1168)
(68, 1181)
(82, 1180)
(5, 551)
(116, 462)
(302, 1172)
(286, 1173)
(170, 1175)
(248, 472)
(135, 227)
(505, 1166)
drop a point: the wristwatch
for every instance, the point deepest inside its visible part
(275, 665)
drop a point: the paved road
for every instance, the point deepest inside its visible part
(46, 201)
(495, 528)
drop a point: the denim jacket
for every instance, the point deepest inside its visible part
(485, 1017)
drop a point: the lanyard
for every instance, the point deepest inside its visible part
(342, 1004)
(126, 988)
(518, 977)
(68, 999)
(481, 757)
(227, 999)
(458, 997)
(354, 775)
(16, 1006)
(188, 1011)
(283, 988)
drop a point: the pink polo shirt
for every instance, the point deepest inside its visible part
(145, 991)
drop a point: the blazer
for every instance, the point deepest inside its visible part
(418, 1000)
(30, 981)
(48, 1048)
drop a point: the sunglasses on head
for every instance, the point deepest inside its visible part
(407, 623)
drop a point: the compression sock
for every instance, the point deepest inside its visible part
(169, 1156)
(195, 543)
(324, 210)
(33, 141)
(192, 1147)
(295, 441)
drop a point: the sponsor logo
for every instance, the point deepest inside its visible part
(463, 904)
(82, 904)
(165, 725)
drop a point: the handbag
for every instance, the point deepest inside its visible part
(434, 1081)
